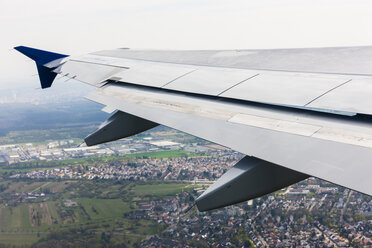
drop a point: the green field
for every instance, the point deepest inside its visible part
(161, 189)
(103, 208)
(34, 186)
(35, 217)
(19, 239)
(92, 207)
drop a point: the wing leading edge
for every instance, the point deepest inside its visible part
(290, 121)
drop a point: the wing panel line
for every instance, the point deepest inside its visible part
(187, 73)
(325, 93)
(238, 84)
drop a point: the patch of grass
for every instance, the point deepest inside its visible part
(14, 187)
(18, 218)
(19, 239)
(146, 227)
(103, 208)
(160, 189)
(4, 217)
(54, 212)
(31, 187)
(55, 187)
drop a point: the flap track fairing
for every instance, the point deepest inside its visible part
(119, 125)
(249, 178)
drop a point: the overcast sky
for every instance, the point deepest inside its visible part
(76, 27)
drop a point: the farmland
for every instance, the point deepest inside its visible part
(32, 211)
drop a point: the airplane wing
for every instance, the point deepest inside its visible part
(294, 113)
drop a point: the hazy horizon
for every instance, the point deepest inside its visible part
(75, 28)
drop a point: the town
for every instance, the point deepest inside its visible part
(312, 213)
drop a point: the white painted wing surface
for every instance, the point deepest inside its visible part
(333, 89)
(307, 109)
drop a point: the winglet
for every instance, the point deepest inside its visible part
(41, 58)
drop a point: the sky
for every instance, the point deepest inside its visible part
(77, 27)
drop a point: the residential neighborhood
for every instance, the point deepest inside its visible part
(312, 213)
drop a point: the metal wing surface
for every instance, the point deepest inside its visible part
(302, 110)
